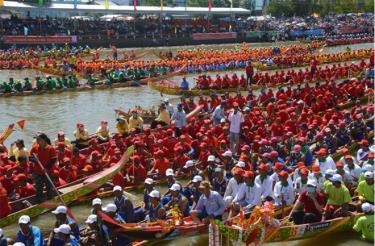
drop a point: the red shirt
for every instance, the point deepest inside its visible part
(139, 173)
(309, 206)
(45, 155)
(25, 191)
(162, 165)
(4, 203)
(8, 183)
(118, 179)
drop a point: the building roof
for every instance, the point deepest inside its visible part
(122, 9)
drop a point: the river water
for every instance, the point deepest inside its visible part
(53, 112)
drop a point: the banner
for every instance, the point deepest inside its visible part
(106, 4)
(219, 35)
(260, 34)
(9, 39)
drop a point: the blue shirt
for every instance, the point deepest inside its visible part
(3, 241)
(34, 239)
(126, 213)
(179, 118)
(184, 85)
(212, 205)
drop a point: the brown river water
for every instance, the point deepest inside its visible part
(54, 112)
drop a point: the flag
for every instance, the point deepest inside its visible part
(106, 4)
(209, 5)
(231, 3)
(40, 3)
(135, 5)
(21, 123)
(1, 2)
(75, 4)
(161, 5)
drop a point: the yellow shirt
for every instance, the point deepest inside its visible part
(122, 128)
(81, 137)
(66, 142)
(164, 116)
(135, 123)
(337, 196)
(102, 134)
(19, 152)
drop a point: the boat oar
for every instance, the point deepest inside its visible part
(52, 184)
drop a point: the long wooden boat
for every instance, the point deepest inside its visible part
(270, 234)
(71, 193)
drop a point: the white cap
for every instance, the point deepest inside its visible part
(218, 170)
(223, 120)
(175, 187)
(117, 188)
(336, 178)
(197, 178)
(369, 175)
(241, 164)
(169, 172)
(228, 153)
(1, 232)
(189, 163)
(217, 160)
(24, 219)
(367, 207)
(91, 219)
(149, 181)
(110, 208)
(329, 172)
(19, 244)
(96, 201)
(166, 100)
(311, 182)
(154, 194)
(211, 158)
(60, 210)
(64, 229)
(367, 168)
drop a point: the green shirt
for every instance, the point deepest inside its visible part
(365, 225)
(326, 184)
(361, 177)
(337, 196)
(365, 190)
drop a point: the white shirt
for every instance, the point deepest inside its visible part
(347, 178)
(285, 192)
(251, 196)
(232, 188)
(235, 121)
(266, 186)
(299, 187)
(329, 163)
(355, 172)
(319, 181)
(275, 178)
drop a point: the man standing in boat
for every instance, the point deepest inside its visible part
(124, 205)
(43, 165)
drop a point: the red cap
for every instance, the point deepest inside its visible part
(21, 177)
(87, 168)
(178, 149)
(283, 174)
(60, 144)
(344, 150)
(245, 148)
(182, 136)
(93, 141)
(322, 152)
(136, 158)
(235, 104)
(315, 168)
(278, 166)
(248, 174)
(203, 145)
(363, 142)
(348, 157)
(370, 154)
(263, 166)
(66, 159)
(60, 133)
(301, 164)
(95, 153)
(238, 171)
(304, 171)
(339, 164)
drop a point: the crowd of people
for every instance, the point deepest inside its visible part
(155, 28)
(237, 153)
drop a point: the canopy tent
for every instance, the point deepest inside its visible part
(123, 9)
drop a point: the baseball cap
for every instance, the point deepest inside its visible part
(169, 172)
(110, 208)
(248, 174)
(96, 201)
(92, 219)
(367, 207)
(241, 164)
(154, 194)
(60, 210)
(311, 182)
(197, 178)
(329, 172)
(336, 178)
(367, 167)
(189, 163)
(228, 153)
(64, 229)
(149, 181)
(117, 188)
(218, 170)
(369, 175)
(211, 158)
(24, 219)
(176, 187)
